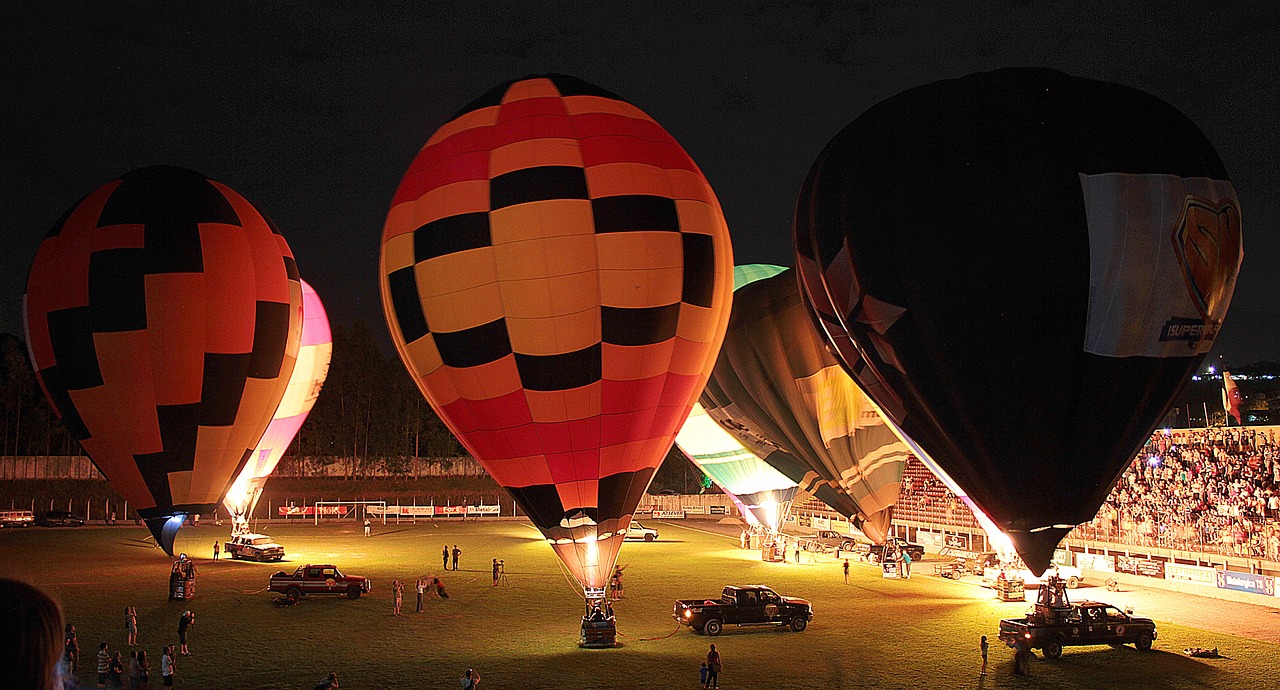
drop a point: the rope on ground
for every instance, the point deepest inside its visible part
(650, 639)
(256, 591)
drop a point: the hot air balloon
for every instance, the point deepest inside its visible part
(1033, 264)
(556, 275)
(775, 384)
(304, 387)
(163, 314)
(764, 492)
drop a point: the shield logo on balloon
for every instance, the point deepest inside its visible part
(1207, 241)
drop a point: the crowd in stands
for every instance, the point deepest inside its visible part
(1210, 490)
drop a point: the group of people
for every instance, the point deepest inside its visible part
(1214, 490)
(1207, 490)
(424, 588)
(445, 553)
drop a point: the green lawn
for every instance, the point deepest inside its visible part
(921, 633)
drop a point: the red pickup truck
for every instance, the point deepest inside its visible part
(319, 579)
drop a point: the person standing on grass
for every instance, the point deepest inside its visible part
(422, 590)
(71, 648)
(846, 571)
(713, 668)
(115, 672)
(444, 557)
(104, 664)
(983, 646)
(397, 597)
(217, 550)
(702, 674)
(187, 620)
(906, 565)
(368, 528)
(167, 666)
(131, 680)
(495, 572)
(131, 625)
(456, 552)
(470, 680)
(143, 679)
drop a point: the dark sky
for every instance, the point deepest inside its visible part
(314, 110)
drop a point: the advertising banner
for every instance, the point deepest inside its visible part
(958, 541)
(1140, 566)
(1195, 574)
(694, 510)
(821, 523)
(1246, 582)
(717, 510)
(1096, 561)
(310, 511)
(483, 510)
(668, 515)
(935, 539)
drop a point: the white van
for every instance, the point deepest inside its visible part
(17, 518)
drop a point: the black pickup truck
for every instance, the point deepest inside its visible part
(1086, 623)
(743, 605)
(896, 544)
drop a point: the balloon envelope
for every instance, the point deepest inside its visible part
(776, 381)
(1032, 264)
(300, 396)
(163, 314)
(556, 275)
(764, 491)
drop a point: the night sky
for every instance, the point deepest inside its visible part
(313, 111)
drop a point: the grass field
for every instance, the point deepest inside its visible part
(921, 633)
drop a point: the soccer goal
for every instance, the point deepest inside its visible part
(357, 510)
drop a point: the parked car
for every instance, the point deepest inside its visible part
(875, 552)
(17, 518)
(742, 606)
(831, 538)
(1071, 575)
(254, 547)
(318, 579)
(60, 518)
(639, 531)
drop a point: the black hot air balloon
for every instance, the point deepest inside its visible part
(1033, 264)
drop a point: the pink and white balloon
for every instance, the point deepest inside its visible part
(300, 396)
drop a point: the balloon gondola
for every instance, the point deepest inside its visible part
(1023, 268)
(163, 315)
(556, 275)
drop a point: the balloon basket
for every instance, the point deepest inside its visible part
(599, 627)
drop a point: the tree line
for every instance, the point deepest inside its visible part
(369, 413)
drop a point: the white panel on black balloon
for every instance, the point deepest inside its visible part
(1164, 255)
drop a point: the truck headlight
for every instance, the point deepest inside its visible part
(688, 613)
(1027, 635)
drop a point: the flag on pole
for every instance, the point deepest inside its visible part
(1230, 396)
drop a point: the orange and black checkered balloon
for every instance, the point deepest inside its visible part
(164, 315)
(556, 274)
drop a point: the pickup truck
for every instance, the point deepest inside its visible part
(743, 605)
(1071, 575)
(639, 531)
(1086, 623)
(876, 551)
(318, 579)
(254, 547)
